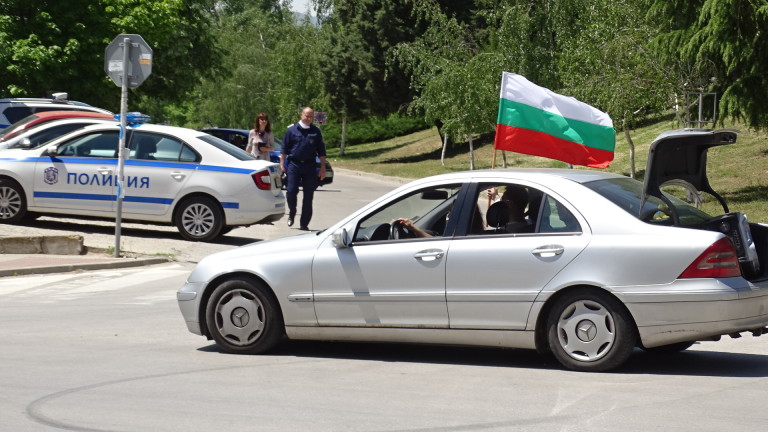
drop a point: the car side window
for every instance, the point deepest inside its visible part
(556, 218)
(421, 214)
(97, 144)
(505, 208)
(152, 146)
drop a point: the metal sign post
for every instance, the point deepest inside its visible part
(127, 61)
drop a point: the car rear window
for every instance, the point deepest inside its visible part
(226, 147)
(627, 193)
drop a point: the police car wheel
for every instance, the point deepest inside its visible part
(13, 202)
(199, 219)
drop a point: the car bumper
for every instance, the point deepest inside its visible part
(187, 298)
(697, 310)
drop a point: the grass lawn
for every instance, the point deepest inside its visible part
(739, 172)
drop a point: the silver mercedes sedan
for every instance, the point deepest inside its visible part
(582, 265)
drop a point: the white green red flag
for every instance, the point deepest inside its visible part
(536, 121)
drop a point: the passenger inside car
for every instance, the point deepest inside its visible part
(507, 212)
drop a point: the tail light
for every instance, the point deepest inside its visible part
(262, 179)
(718, 261)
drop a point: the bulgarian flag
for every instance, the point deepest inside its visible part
(536, 121)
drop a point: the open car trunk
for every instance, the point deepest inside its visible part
(680, 157)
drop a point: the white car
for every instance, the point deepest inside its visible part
(172, 175)
(15, 109)
(41, 133)
(582, 264)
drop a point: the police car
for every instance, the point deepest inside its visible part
(172, 175)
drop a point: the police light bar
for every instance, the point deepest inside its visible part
(134, 118)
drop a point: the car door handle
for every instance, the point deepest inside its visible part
(548, 251)
(178, 175)
(429, 255)
(104, 171)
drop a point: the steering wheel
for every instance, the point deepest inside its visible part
(399, 231)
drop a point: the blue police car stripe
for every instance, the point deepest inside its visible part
(128, 198)
(77, 196)
(157, 164)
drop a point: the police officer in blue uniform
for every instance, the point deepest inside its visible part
(301, 144)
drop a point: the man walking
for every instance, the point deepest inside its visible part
(301, 144)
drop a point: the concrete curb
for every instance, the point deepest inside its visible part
(26, 255)
(54, 245)
(86, 264)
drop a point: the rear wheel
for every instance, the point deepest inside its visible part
(243, 318)
(13, 203)
(199, 219)
(590, 331)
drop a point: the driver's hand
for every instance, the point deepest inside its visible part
(405, 222)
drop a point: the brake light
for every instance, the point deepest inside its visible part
(262, 179)
(718, 261)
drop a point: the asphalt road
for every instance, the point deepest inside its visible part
(108, 351)
(349, 191)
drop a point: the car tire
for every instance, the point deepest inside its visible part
(590, 331)
(243, 318)
(13, 202)
(199, 219)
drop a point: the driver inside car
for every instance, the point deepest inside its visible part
(418, 232)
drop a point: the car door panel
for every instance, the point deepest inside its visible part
(492, 281)
(79, 177)
(389, 284)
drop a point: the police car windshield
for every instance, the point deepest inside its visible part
(226, 147)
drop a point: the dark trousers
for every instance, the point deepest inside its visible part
(304, 175)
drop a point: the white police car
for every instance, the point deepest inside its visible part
(203, 185)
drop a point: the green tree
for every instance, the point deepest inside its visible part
(51, 45)
(272, 67)
(729, 35)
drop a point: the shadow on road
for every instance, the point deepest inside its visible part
(687, 363)
(128, 229)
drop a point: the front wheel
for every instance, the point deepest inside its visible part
(243, 318)
(590, 331)
(13, 202)
(199, 219)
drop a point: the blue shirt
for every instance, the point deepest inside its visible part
(301, 144)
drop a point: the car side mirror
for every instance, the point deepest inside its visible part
(340, 239)
(25, 143)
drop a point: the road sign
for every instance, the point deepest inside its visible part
(139, 64)
(127, 62)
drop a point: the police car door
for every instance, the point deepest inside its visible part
(78, 177)
(158, 168)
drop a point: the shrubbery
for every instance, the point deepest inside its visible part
(371, 129)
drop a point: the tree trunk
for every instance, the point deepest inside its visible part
(503, 159)
(631, 149)
(471, 154)
(343, 133)
(442, 154)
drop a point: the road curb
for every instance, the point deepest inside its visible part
(82, 263)
(54, 245)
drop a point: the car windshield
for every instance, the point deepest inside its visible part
(627, 194)
(226, 147)
(10, 130)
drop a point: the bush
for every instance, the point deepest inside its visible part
(371, 129)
